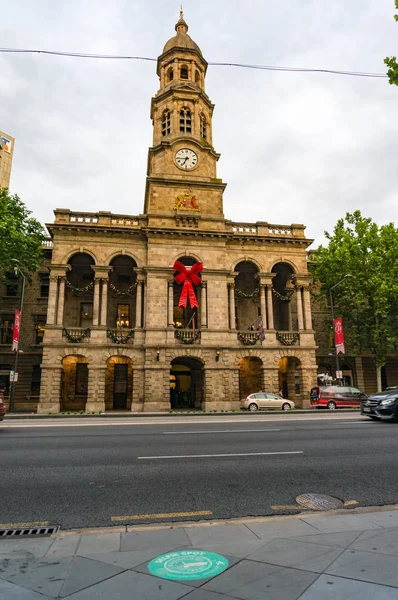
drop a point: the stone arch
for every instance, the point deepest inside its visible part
(247, 295)
(76, 351)
(188, 254)
(246, 259)
(123, 252)
(196, 353)
(287, 262)
(186, 317)
(251, 374)
(186, 381)
(122, 352)
(248, 352)
(71, 253)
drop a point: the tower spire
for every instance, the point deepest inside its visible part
(181, 26)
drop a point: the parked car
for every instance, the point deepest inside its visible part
(265, 400)
(382, 406)
(2, 405)
(336, 396)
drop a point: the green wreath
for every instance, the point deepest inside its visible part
(120, 340)
(294, 340)
(247, 341)
(76, 339)
(286, 298)
(127, 292)
(77, 290)
(246, 296)
(180, 336)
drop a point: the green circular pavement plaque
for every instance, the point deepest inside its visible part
(186, 565)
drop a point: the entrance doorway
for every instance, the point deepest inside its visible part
(120, 387)
(250, 376)
(186, 383)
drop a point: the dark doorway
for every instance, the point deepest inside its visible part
(120, 387)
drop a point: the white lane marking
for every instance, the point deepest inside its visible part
(216, 431)
(216, 455)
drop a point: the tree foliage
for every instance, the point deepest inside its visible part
(392, 62)
(368, 301)
(21, 236)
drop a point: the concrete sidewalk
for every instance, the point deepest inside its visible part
(312, 556)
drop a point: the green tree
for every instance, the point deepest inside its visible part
(21, 236)
(368, 301)
(392, 62)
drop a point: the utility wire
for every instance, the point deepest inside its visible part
(213, 64)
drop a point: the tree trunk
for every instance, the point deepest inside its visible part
(378, 376)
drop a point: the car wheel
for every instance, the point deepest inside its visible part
(331, 405)
(286, 406)
(253, 407)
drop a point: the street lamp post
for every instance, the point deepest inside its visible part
(13, 382)
(334, 332)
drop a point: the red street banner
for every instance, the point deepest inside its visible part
(15, 335)
(339, 335)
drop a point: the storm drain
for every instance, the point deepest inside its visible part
(19, 532)
(319, 502)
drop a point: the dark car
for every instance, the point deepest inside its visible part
(382, 406)
(2, 405)
(336, 396)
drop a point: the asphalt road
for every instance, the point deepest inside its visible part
(92, 474)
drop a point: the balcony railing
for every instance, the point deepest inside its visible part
(248, 338)
(76, 335)
(121, 336)
(288, 338)
(187, 336)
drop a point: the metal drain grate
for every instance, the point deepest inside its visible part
(28, 531)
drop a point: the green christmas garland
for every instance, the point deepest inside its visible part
(77, 290)
(247, 341)
(246, 296)
(127, 292)
(286, 298)
(180, 336)
(76, 339)
(286, 342)
(122, 339)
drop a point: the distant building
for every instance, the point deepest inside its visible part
(6, 153)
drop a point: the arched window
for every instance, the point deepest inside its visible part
(166, 127)
(197, 77)
(184, 72)
(185, 121)
(203, 127)
(170, 74)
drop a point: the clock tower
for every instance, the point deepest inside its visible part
(182, 187)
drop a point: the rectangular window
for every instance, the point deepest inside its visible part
(81, 386)
(44, 286)
(11, 284)
(123, 315)
(5, 377)
(6, 329)
(35, 382)
(86, 314)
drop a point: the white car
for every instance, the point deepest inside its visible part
(265, 400)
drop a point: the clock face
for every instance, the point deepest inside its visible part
(186, 158)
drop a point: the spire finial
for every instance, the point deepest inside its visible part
(181, 13)
(181, 26)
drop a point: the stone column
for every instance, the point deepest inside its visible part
(203, 305)
(96, 388)
(96, 302)
(307, 308)
(300, 318)
(138, 306)
(263, 305)
(61, 302)
(170, 307)
(52, 300)
(231, 287)
(104, 303)
(270, 307)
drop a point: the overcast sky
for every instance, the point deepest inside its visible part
(295, 147)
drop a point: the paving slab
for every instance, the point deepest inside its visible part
(135, 586)
(84, 573)
(36, 548)
(128, 559)
(384, 518)
(64, 546)
(236, 540)
(159, 539)
(45, 576)
(300, 555)
(327, 587)
(99, 543)
(282, 528)
(335, 523)
(10, 591)
(382, 542)
(205, 595)
(256, 581)
(366, 566)
(343, 539)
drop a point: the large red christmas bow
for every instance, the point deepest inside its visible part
(187, 277)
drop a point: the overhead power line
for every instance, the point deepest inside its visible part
(213, 64)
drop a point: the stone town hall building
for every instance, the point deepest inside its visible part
(117, 336)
